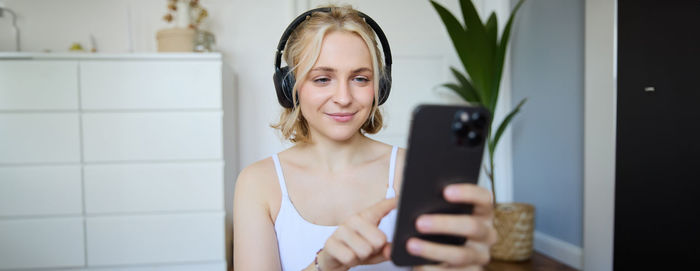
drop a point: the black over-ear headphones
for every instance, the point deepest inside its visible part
(284, 80)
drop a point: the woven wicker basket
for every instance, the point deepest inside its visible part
(515, 224)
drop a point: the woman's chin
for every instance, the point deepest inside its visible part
(336, 131)
(343, 137)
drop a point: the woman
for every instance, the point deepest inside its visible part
(326, 203)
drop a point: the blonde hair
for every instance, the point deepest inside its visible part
(303, 49)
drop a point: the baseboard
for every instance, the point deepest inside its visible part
(559, 250)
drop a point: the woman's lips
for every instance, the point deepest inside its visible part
(341, 117)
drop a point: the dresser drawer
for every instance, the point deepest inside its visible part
(126, 240)
(152, 136)
(163, 84)
(213, 266)
(40, 190)
(37, 243)
(154, 187)
(38, 85)
(39, 138)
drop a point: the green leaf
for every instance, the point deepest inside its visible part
(501, 53)
(460, 91)
(492, 30)
(453, 26)
(457, 34)
(467, 87)
(494, 78)
(480, 54)
(504, 124)
(471, 16)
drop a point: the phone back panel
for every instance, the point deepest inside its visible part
(440, 152)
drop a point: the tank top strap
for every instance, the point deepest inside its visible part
(390, 193)
(280, 176)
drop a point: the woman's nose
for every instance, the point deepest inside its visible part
(342, 95)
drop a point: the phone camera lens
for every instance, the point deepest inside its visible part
(468, 127)
(459, 129)
(473, 138)
(478, 119)
(464, 116)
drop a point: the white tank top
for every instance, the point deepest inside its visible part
(299, 240)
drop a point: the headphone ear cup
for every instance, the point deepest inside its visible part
(384, 87)
(284, 84)
(288, 85)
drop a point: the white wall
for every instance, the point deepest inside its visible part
(548, 64)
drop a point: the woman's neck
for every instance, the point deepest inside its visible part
(333, 156)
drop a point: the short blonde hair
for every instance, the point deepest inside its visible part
(301, 53)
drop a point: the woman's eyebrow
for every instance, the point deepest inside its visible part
(363, 69)
(324, 69)
(329, 69)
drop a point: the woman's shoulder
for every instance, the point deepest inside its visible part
(400, 153)
(260, 167)
(398, 163)
(382, 148)
(259, 179)
(398, 172)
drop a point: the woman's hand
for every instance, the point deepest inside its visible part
(357, 241)
(477, 228)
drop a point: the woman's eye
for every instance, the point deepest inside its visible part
(361, 79)
(322, 80)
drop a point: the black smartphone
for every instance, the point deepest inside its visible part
(445, 146)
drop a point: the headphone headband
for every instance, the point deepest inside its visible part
(301, 18)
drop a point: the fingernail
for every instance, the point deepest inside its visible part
(452, 191)
(414, 246)
(424, 223)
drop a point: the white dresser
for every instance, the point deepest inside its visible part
(111, 162)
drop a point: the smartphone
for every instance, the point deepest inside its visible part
(445, 146)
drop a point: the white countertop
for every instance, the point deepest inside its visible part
(111, 56)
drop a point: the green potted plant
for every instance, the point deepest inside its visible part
(483, 56)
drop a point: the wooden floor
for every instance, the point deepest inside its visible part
(538, 262)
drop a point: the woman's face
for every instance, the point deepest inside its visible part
(336, 96)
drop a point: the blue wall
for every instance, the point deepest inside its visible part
(548, 68)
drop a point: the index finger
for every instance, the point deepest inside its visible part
(468, 193)
(379, 210)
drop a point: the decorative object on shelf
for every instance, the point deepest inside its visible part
(93, 44)
(14, 25)
(175, 40)
(188, 16)
(204, 41)
(186, 13)
(76, 47)
(483, 58)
